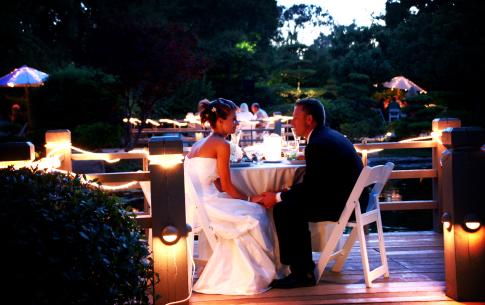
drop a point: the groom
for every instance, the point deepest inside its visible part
(332, 168)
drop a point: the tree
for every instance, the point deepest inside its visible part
(440, 45)
(297, 17)
(235, 38)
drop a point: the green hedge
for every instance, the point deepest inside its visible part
(67, 243)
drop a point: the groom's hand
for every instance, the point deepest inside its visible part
(269, 199)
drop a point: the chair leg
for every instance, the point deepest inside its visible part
(349, 243)
(382, 248)
(363, 255)
(328, 250)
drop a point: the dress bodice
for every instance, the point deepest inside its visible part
(202, 173)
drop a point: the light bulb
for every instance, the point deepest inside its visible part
(446, 220)
(472, 222)
(170, 235)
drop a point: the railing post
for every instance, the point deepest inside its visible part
(169, 229)
(16, 153)
(58, 142)
(146, 206)
(364, 153)
(464, 217)
(438, 125)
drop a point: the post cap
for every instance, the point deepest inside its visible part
(58, 135)
(443, 123)
(463, 137)
(159, 145)
(17, 151)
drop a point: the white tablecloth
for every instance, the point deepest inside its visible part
(274, 177)
(263, 177)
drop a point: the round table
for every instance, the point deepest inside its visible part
(258, 178)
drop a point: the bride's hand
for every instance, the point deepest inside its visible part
(256, 198)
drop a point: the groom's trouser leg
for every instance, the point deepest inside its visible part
(293, 236)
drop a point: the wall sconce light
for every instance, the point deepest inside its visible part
(446, 221)
(167, 160)
(472, 222)
(171, 235)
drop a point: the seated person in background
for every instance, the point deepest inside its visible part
(244, 116)
(259, 114)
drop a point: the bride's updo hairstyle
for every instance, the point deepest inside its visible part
(219, 108)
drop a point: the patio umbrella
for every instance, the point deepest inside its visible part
(24, 77)
(400, 82)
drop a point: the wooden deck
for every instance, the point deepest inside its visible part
(416, 277)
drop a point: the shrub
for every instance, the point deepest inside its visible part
(67, 243)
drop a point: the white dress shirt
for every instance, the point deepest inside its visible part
(278, 194)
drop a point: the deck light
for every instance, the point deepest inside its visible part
(472, 223)
(446, 221)
(167, 160)
(170, 235)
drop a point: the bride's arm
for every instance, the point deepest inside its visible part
(223, 153)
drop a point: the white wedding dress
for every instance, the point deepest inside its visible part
(242, 262)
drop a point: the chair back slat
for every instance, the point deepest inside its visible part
(380, 174)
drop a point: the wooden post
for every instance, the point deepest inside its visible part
(463, 184)
(168, 211)
(146, 206)
(438, 125)
(58, 142)
(16, 153)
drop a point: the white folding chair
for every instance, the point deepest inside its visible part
(377, 175)
(197, 216)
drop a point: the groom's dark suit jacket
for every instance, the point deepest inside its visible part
(332, 168)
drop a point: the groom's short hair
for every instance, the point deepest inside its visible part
(313, 107)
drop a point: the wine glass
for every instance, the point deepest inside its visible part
(236, 136)
(296, 140)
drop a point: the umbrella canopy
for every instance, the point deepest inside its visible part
(24, 77)
(400, 82)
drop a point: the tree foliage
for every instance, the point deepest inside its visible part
(167, 55)
(440, 45)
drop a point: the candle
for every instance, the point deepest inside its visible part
(272, 147)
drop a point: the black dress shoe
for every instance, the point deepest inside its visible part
(295, 280)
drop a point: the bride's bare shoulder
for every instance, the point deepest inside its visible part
(207, 147)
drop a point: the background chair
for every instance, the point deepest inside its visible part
(378, 176)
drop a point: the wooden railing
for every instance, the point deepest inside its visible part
(433, 203)
(191, 134)
(363, 148)
(406, 174)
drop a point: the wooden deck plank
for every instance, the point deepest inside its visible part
(416, 265)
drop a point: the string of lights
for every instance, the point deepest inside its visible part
(53, 159)
(192, 119)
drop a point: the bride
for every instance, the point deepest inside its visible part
(242, 263)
